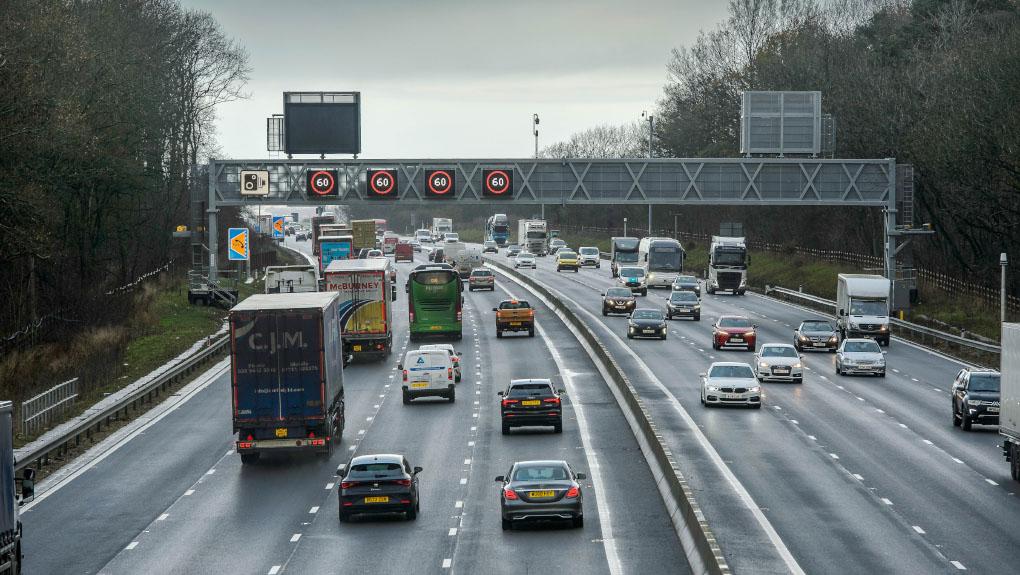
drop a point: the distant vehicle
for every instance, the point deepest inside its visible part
(380, 228)
(403, 253)
(663, 258)
(727, 265)
(363, 253)
(1009, 418)
(683, 304)
(441, 226)
(512, 250)
(490, 247)
(541, 491)
(862, 306)
(497, 229)
(380, 483)
(415, 245)
(816, 334)
(532, 235)
(427, 373)
(687, 283)
(624, 252)
(10, 516)
(531, 402)
(633, 277)
(389, 242)
(365, 288)
(514, 315)
(567, 260)
(556, 244)
(976, 397)
(451, 237)
(286, 374)
(288, 231)
(301, 236)
(554, 234)
(316, 222)
(291, 279)
(481, 279)
(730, 383)
(453, 353)
(646, 322)
(524, 260)
(618, 300)
(589, 256)
(363, 232)
(779, 362)
(424, 236)
(464, 257)
(734, 331)
(375, 254)
(860, 356)
(435, 302)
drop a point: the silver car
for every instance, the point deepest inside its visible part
(730, 383)
(779, 362)
(541, 491)
(524, 260)
(860, 355)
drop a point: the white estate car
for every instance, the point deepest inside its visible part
(779, 362)
(730, 383)
(524, 260)
(860, 355)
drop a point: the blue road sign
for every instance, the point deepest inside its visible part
(278, 226)
(237, 244)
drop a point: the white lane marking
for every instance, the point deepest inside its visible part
(369, 418)
(131, 545)
(274, 569)
(795, 422)
(330, 486)
(458, 505)
(189, 492)
(361, 432)
(382, 395)
(990, 482)
(474, 415)
(858, 477)
(211, 471)
(473, 428)
(927, 441)
(957, 460)
(834, 456)
(294, 538)
(447, 563)
(918, 529)
(879, 410)
(463, 480)
(314, 510)
(453, 531)
(813, 438)
(376, 406)
(935, 389)
(163, 517)
(903, 425)
(958, 565)
(352, 448)
(895, 370)
(886, 501)
(467, 462)
(859, 398)
(471, 444)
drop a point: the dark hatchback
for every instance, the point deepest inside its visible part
(541, 491)
(381, 483)
(646, 323)
(683, 304)
(531, 402)
(687, 283)
(618, 300)
(976, 397)
(816, 334)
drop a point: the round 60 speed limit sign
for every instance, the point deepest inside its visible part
(498, 183)
(322, 183)
(382, 183)
(439, 183)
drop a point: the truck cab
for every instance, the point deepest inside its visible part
(862, 307)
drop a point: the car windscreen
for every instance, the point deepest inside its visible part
(686, 280)
(375, 471)
(735, 322)
(480, 273)
(646, 314)
(778, 351)
(861, 347)
(541, 473)
(984, 382)
(683, 296)
(618, 292)
(627, 257)
(589, 251)
(435, 277)
(527, 389)
(515, 305)
(816, 326)
(731, 371)
(567, 255)
(867, 307)
(632, 272)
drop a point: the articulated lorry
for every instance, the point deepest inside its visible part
(862, 306)
(291, 279)
(440, 227)
(366, 315)
(363, 232)
(1009, 396)
(497, 229)
(10, 501)
(727, 265)
(286, 374)
(533, 236)
(316, 222)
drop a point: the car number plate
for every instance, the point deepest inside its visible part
(357, 348)
(382, 499)
(993, 410)
(281, 432)
(531, 402)
(419, 384)
(736, 340)
(515, 323)
(538, 494)
(819, 345)
(782, 371)
(649, 331)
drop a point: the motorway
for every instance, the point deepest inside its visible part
(169, 495)
(851, 474)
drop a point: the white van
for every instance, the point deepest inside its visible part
(427, 373)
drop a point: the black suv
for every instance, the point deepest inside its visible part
(531, 402)
(976, 397)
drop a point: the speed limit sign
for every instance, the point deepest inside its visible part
(439, 184)
(322, 184)
(382, 184)
(498, 183)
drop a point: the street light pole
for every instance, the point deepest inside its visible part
(534, 128)
(1002, 289)
(624, 227)
(651, 124)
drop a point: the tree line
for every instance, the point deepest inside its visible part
(105, 106)
(932, 83)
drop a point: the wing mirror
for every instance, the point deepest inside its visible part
(560, 391)
(580, 476)
(400, 366)
(501, 478)
(417, 470)
(340, 469)
(499, 393)
(841, 314)
(703, 375)
(603, 295)
(884, 352)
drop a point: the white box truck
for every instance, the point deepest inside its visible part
(533, 236)
(291, 279)
(463, 257)
(862, 306)
(1009, 396)
(441, 226)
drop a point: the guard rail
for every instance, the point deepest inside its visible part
(897, 323)
(94, 423)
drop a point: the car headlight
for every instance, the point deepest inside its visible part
(749, 333)
(849, 361)
(803, 338)
(884, 328)
(712, 388)
(797, 366)
(762, 364)
(651, 276)
(832, 338)
(631, 328)
(754, 389)
(853, 325)
(697, 306)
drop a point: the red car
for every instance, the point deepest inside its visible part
(734, 331)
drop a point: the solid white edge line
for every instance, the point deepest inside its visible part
(731, 478)
(594, 469)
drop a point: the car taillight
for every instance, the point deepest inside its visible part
(554, 400)
(405, 375)
(509, 402)
(348, 484)
(509, 493)
(244, 444)
(572, 493)
(404, 482)
(449, 373)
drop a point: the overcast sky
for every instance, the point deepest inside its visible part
(456, 78)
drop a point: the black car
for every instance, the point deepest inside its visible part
(683, 304)
(646, 323)
(618, 300)
(976, 397)
(541, 491)
(381, 483)
(687, 283)
(816, 334)
(527, 402)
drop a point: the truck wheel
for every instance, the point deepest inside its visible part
(499, 334)
(1014, 462)
(250, 458)
(740, 292)
(406, 396)
(697, 317)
